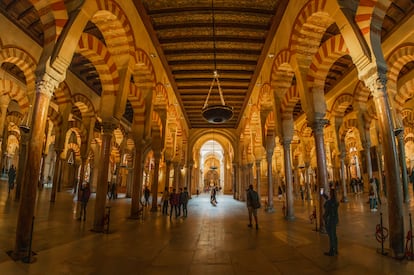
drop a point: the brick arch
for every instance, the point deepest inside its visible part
(62, 94)
(116, 30)
(116, 152)
(340, 105)
(346, 125)
(143, 72)
(322, 61)
(24, 61)
(96, 52)
(161, 96)
(265, 100)
(289, 101)
(270, 125)
(75, 148)
(9, 87)
(361, 92)
(53, 16)
(156, 125)
(84, 104)
(404, 93)
(78, 128)
(369, 17)
(137, 101)
(395, 62)
(303, 41)
(282, 73)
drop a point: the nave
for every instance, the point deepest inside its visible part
(211, 240)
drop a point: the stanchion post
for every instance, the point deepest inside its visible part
(411, 238)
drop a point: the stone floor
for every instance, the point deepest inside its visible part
(211, 240)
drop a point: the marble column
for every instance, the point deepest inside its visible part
(56, 174)
(376, 83)
(235, 175)
(21, 169)
(137, 182)
(190, 181)
(290, 213)
(44, 91)
(343, 177)
(167, 174)
(42, 171)
(270, 208)
(368, 162)
(3, 108)
(322, 173)
(258, 177)
(307, 181)
(401, 149)
(102, 184)
(154, 186)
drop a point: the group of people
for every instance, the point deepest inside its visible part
(176, 201)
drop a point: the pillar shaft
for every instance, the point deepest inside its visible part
(154, 186)
(137, 183)
(290, 214)
(56, 175)
(376, 84)
(368, 161)
(401, 149)
(258, 177)
(43, 94)
(21, 169)
(343, 178)
(102, 184)
(270, 207)
(322, 174)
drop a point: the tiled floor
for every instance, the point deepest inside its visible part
(211, 240)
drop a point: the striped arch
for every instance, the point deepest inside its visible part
(340, 105)
(408, 117)
(400, 57)
(270, 125)
(347, 124)
(24, 61)
(8, 87)
(55, 117)
(78, 128)
(156, 125)
(371, 112)
(75, 148)
(331, 50)
(62, 94)
(161, 96)
(84, 104)
(369, 16)
(116, 30)
(143, 72)
(96, 52)
(361, 92)
(116, 152)
(265, 100)
(309, 26)
(53, 15)
(138, 104)
(282, 73)
(289, 101)
(404, 93)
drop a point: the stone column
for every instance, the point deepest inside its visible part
(368, 162)
(290, 213)
(21, 169)
(343, 177)
(401, 149)
(42, 171)
(258, 176)
(3, 107)
(44, 91)
(376, 83)
(137, 182)
(322, 176)
(270, 208)
(190, 181)
(154, 186)
(102, 184)
(235, 175)
(167, 174)
(56, 174)
(307, 180)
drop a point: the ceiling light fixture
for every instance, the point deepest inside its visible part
(216, 113)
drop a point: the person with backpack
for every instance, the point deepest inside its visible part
(253, 203)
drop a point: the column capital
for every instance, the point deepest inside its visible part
(376, 83)
(366, 145)
(317, 125)
(46, 85)
(108, 126)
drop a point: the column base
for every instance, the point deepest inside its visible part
(290, 218)
(270, 209)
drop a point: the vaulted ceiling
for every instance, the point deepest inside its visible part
(182, 32)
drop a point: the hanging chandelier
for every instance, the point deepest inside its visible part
(212, 164)
(216, 113)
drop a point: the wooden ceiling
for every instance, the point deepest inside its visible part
(182, 32)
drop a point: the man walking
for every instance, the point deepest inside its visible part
(253, 203)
